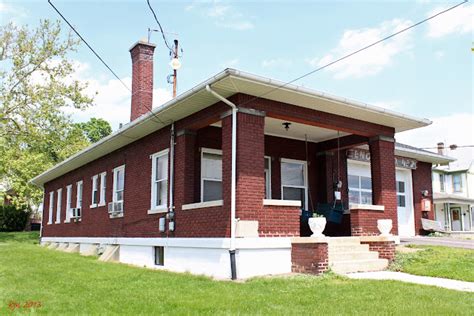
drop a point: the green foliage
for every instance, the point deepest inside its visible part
(437, 261)
(95, 129)
(70, 284)
(36, 87)
(13, 219)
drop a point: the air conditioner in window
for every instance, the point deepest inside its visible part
(76, 212)
(115, 207)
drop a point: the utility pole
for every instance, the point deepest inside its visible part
(175, 70)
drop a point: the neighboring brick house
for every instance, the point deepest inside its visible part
(163, 185)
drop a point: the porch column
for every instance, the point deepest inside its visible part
(185, 143)
(382, 159)
(250, 186)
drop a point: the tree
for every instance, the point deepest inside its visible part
(95, 129)
(36, 86)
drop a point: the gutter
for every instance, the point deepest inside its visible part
(233, 181)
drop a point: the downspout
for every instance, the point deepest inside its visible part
(233, 180)
(171, 181)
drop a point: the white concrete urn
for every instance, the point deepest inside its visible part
(384, 226)
(317, 225)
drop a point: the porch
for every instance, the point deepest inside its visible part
(454, 212)
(289, 162)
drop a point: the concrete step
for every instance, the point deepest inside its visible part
(352, 266)
(344, 241)
(353, 255)
(335, 248)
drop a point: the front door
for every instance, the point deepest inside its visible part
(455, 219)
(406, 216)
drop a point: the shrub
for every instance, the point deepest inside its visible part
(12, 218)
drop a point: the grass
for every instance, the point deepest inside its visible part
(71, 284)
(437, 261)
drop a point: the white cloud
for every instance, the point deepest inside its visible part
(372, 60)
(112, 101)
(439, 54)
(456, 21)
(276, 63)
(230, 63)
(11, 13)
(222, 13)
(452, 129)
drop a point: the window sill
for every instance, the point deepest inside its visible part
(294, 203)
(367, 207)
(93, 206)
(101, 204)
(118, 215)
(158, 210)
(49, 223)
(193, 206)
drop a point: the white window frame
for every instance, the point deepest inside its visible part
(114, 190)
(153, 207)
(442, 182)
(68, 203)
(208, 151)
(58, 206)
(79, 184)
(51, 207)
(460, 183)
(102, 188)
(359, 170)
(94, 188)
(305, 176)
(268, 178)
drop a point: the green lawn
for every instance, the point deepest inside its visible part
(443, 262)
(70, 284)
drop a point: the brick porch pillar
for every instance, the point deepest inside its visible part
(250, 186)
(185, 143)
(382, 158)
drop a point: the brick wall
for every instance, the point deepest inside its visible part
(364, 222)
(309, 258)
(422, 181)
(142, 79)
(279, 221)
(386, 249)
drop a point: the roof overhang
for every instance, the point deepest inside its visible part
(451, 198)
(422, 155)
(228, 83)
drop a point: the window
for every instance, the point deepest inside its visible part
(159, 256)
(103, 177)
(401, 194)
(360, 189)
(159, 180)
(293, 181)
(119, 186)
(441, 182)
(79, 194)
(457, 184)
(68, 203)
(211, 175)
(51, 206)
(95, 191)
(268, 177)
(58, 207)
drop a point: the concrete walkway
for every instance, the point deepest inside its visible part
(439, 241)
(410, 278)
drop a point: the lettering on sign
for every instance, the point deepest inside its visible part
(364, 155)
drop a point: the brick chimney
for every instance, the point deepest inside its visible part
(142, 78)
(441, 148)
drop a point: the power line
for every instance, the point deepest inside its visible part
(85, 42)
(100, 58)
(353, 53)
(159, 25)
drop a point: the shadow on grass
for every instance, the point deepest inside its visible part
(23, 237)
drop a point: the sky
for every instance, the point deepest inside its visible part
(426, 72)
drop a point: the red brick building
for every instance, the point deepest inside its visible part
(230, 165)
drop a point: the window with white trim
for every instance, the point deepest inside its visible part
(51, 207)
(79, 194)
(441, 182)
(360, 183)
(294, 181)
(58, 206)
(457, 183)
(68, 203)
(211, 175)
(103, 177)
(95, 191)
(159, 180)
(268, 177)
(119, 186)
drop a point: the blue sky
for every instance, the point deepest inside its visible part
(426, 72)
